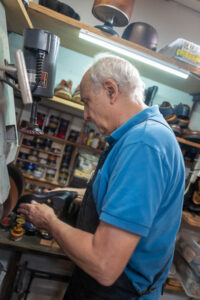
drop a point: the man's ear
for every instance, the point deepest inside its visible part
(112, 89)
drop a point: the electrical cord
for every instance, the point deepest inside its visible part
(10, 84)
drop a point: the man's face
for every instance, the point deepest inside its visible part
(96, 105)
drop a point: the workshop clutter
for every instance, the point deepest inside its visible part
(64, 90)
(60, 7)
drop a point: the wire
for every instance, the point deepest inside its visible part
(10, 84)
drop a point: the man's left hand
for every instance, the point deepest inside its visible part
(38, 214)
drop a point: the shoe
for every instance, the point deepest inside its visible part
(168, 112)
(76, 95)
(58, 200)
(182, 112)
(63, 90)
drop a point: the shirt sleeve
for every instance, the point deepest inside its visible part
(135, 189)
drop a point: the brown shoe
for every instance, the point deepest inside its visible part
(63, 90)
(76, 95)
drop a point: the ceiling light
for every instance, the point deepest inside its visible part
(129, 52)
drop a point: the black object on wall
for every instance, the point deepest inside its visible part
(143, 34)
(60, 7)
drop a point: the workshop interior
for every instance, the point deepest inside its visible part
(45, 144)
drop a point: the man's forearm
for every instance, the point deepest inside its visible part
(79, 246)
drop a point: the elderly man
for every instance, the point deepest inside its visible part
(124, 240)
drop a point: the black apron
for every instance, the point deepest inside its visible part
(82, 286)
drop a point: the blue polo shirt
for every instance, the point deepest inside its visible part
(140, 189)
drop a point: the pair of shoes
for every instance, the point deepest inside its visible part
(64, 89)
(177, 116)
(60, 7)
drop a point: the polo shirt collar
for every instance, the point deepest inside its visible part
(147, 113)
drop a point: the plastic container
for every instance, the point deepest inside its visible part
(187, 277)
(183, 50)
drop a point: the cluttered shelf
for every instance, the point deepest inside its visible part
(68, 30)
(66, 142)
(40, 150)
(41, 180)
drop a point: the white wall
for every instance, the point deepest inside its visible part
(170, 19)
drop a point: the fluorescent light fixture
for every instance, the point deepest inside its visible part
(144, 58)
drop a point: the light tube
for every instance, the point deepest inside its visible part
(101, 41)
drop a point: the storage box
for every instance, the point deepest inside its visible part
(183, 50)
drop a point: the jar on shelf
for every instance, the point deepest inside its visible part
(73, 136)
(50, 174)
(28, 141)
(90, 137)
(63, 170)
(20, 164)
(33, 156)
(62, 130)
(51, 160)
(37, 189)
(39, 143)
(29, 168)
(47, 144)
(42, 158)
(62, 179)
(24, 153)
(56, 148)
(28, 186)
(38, 172)
(95, 141)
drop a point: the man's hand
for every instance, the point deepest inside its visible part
(41, 215)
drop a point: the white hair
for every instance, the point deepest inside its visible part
(121, 71)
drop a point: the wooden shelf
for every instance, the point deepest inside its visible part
(37, 163)
(68, 30)
(65, 102)
(39, 150)
(66, 142)
(186, 142)
(17, 16)
(39, 180)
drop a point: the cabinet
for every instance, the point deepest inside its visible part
(48, 161)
